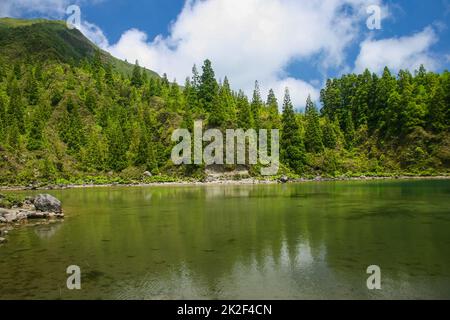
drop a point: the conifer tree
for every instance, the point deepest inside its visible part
(256, 106)
(136, 76)
(313, 134)
(272, 107)
(329, 134)
(292, 146)
(208, 88)
(245, 115)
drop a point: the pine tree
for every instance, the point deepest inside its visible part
(208, 88)
(2, 71)
(349, 130)
(71, 127)
(313, 134)
(175, 97)
(97, 61)
(245, 115)
(35, 136)
(16, 109)
(3, 116)
(109, 74)
(218, 115)
(272, 107)
(379, 116)
(437, 109)
(196, 80)
(117, 146)
(32, 89)
(256, 106)
(329, 134)
(17, 71)
(292, 146)
(331, 99)
(136, 77)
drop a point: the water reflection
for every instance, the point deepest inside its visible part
(283, 242)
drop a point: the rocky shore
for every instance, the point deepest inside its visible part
(224, 181)
(40, 207)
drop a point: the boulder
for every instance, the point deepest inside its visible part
(284, 179)
(10, 217)
(47, 203)
(3, 240)
(147, 174)
(22, 216)
(3, 220)
(3, 211)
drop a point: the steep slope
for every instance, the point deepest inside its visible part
(39, 40)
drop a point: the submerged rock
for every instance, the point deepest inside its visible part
(3, 240)
(47, 203)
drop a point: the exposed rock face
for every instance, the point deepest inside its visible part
(47, 203)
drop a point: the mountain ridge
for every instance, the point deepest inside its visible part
(44, 40)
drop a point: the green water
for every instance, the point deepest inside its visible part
(311, 240)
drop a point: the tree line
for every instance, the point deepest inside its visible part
(67, 121)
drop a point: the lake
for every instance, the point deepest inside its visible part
(311, 240)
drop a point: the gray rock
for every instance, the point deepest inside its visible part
(3, 220)
(22, 215)
(3, 212)
(284, 179)
(3, 240)
(47, 203)
(147, 174)
(10, 217)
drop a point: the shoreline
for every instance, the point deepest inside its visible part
(218, 182)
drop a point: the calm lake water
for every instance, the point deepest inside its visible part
(300, 241)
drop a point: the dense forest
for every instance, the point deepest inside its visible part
(88, 121)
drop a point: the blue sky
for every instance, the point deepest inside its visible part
(294, 43)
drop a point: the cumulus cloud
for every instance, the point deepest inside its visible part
(46, 8)
(255, 40)
(398, 53)
(16, 8)
(251, 40)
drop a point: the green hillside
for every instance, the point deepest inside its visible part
(70, 113)
(46, 40)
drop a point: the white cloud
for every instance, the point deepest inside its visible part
(46, 8)
(398, 53)
(251, 40)
(95, 34)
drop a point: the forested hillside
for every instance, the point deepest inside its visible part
(80, 117)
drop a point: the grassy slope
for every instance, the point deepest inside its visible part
(43, 40)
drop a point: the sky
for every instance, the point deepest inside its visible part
(281, 43)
